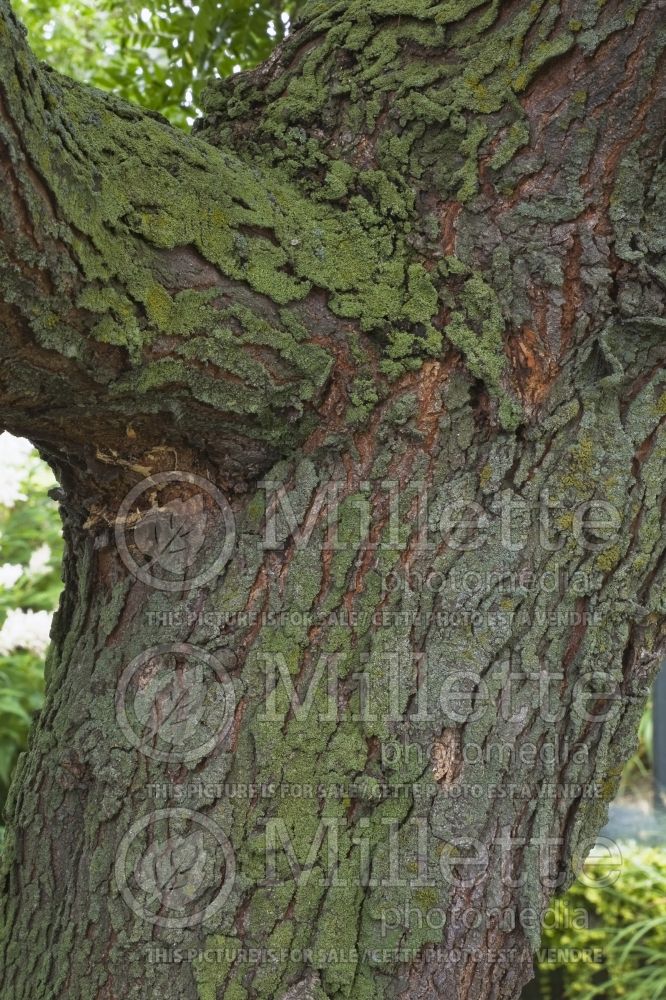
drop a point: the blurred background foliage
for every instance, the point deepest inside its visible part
(30, 584)
(625, 922)
(161, 56)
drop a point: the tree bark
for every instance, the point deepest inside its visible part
(357, 399)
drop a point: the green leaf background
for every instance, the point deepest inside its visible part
(159, 55)
(25, 527)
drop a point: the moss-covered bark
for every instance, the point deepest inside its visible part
(401, 300)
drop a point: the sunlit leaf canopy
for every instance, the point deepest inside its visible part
(159, 55)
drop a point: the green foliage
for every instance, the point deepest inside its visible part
(160, 55)
(29, 526)
(24, 528)
(627, 922)
(639, 767)
(21, 694)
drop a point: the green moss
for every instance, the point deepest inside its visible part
(445, 111)
(210, 975)
(469, 173)
(353, 526)
(581, 464)
(478, 333)
(364, 397)
(421, 304)
(517, 137)
(297, 224)
(337, 182)
(234, 992)
(544, 53)
(402, 409)
(608, 560)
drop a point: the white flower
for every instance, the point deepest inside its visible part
(9, 574)
(39, 561)
(25, 630)
(14, 461)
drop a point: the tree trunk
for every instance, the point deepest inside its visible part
(356, 400)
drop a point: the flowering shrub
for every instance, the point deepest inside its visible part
(30, 557)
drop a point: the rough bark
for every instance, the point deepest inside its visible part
(418, 255)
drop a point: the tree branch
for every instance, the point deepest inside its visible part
(148, 272)
(143, 273)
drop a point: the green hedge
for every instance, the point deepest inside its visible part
(626, 922)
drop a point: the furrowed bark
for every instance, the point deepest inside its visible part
(146, 295)
(401, 300)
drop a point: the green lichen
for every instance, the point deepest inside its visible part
(477, 330)
(517, 137)
(275, 268)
